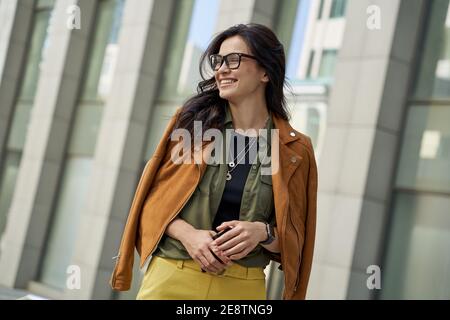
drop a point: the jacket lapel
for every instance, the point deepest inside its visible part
(287, 158)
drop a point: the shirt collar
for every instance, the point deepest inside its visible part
(228, 124)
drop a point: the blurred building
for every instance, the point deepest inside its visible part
(82, 110)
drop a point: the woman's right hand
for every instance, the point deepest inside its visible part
(198, 245)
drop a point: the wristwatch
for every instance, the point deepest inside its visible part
(270, 234)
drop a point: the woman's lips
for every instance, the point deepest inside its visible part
(228, 84)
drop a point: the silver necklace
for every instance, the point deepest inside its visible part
(234, 165)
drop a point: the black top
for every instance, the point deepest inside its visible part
(230, 203)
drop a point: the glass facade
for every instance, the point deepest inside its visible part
(320, 15)
(285, 22)
(23, 106)
(298, 23)
(327, 64)
(417, 262)
(296, 38)
(338, 8)
(193, 26)
(78, 166)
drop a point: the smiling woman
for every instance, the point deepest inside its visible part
(267, 217)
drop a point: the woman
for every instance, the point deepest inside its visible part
(179, 208)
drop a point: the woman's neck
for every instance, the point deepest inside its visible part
(249, 115)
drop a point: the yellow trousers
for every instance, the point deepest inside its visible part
(170, 279)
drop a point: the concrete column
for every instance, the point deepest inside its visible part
(44, 150)
(246, 11)
(121, 141)
(15, 21)
(366, 111)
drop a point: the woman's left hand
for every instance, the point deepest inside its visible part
(241, 239)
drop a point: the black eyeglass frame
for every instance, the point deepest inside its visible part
(225, 58)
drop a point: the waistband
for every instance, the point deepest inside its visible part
(233, 271)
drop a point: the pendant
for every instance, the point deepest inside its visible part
(228, 175)
(231, 164)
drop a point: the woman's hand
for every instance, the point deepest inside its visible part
(198, 245)
(241, 239)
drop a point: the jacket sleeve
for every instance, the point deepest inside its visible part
(122, 273)
(310, 227)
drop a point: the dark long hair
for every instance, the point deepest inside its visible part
(207, 105)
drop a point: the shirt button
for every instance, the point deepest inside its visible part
(292, 134)
(293, 159)
(254, 166)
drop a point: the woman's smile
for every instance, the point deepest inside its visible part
(227, 82)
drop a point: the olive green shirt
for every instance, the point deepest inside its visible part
(256, 205)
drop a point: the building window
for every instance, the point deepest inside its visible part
(99, 68)
(338, 8)
(416, 262)
(310, 65)
(285, 23)
(321, 5)
(291, 30)
(434, 73)
(193, 27)
(327, 64)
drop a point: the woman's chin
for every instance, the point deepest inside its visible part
(225, 94)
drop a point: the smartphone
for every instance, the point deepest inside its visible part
(217, 235)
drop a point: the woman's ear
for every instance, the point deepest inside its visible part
(265, 78)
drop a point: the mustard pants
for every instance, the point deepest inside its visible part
(170, 279)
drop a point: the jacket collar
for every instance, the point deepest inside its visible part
(286, 132)
(285, 135)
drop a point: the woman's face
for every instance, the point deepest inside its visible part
(249, 79)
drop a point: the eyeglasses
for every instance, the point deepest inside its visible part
(232, 60)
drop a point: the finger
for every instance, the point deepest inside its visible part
(239, 255)
(230, 243)
(214, 263)
(226, 236)
(203, 263)
(236, 249)
(212, 233)
(220, 255)
(206, 265)
(226, 224)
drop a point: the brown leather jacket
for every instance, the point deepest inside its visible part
(165, 187)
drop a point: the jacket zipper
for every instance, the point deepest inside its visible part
(283, 234)
(117, 261)
(174, 216)
(297, 280)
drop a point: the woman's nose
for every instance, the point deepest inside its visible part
(223, 68)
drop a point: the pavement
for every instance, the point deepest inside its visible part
(17, 294)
